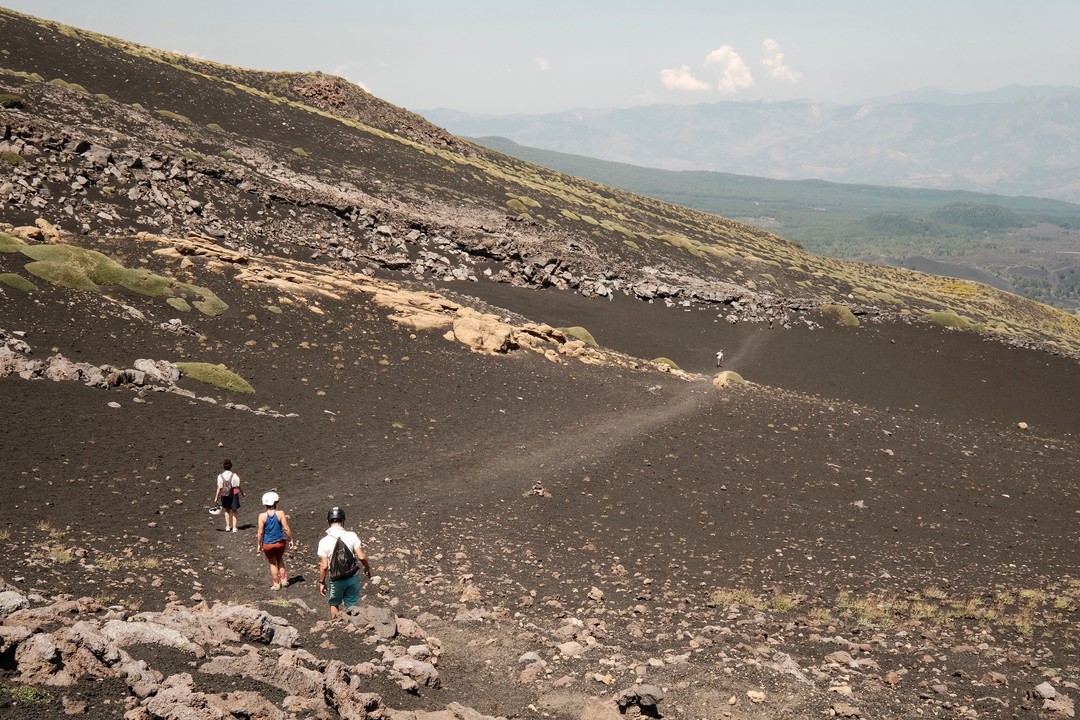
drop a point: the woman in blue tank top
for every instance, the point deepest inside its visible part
(273, 537)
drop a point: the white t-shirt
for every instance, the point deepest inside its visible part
(329, 540)
(233, 477)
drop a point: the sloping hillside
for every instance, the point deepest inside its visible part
(251, 141)
(478, 360)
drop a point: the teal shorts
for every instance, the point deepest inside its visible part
(345, 591)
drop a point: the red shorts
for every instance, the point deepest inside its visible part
(274, 551)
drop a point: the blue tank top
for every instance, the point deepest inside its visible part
(272, 531)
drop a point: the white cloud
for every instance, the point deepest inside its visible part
(735, 73)
(774, 60)
(541, 63)
(681, 79)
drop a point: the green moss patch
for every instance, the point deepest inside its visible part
(62, 274)
(145, 282)
(841, 314)
(9, 244)
(83, 269)
(665, 361)
(579, 333)
(179, 304)
(217, 375)
(207, 303)
(17, 281)
(949, 319)
(13, 102)
(174, 116)
(99, 268)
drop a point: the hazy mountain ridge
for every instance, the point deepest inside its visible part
(1021, 243)
(1012, 142)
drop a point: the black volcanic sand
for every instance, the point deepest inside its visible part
(859, 465)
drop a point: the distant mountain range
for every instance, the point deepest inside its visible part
(1013, 141)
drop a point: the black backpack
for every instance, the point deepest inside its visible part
(343, 562)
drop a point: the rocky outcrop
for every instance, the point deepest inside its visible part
(60, 644)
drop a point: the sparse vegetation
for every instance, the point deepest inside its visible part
(217, 375)
(59, 82)
(17, 282)
(579, 333)
(11, 102)
(61, 555)
(169, 114)
(81, 269)
(948, 319)
(9, 244)
(665, 361)
(62, 274)
(841, 314)
(29, 695)
(13, 159)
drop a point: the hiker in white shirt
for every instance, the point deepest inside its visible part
(339, 577)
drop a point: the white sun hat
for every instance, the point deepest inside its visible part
(270, 498)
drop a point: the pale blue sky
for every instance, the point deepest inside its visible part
(504, 56)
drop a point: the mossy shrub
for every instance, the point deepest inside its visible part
(13, 159)
(841, 314)
(60, 82)
(728, 378)
(516, 205)
(667, 362)
(62, 274)
(949, 319)
(174, 116)
(12, 102)
(30, 695)
(217, 375)
(10, 244)
(98, 267)
(144, 282)
(579, 333)
(178, 304)
(18, 282)
(90, 266)
(207, 303)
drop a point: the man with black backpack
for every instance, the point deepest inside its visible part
(340, 558)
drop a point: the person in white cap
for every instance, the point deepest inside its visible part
(274, 537)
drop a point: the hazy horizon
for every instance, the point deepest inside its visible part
(492, 57)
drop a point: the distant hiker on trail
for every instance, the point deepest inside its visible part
(274, 537)
(719, 358)
(340, 558)
(229, 494)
